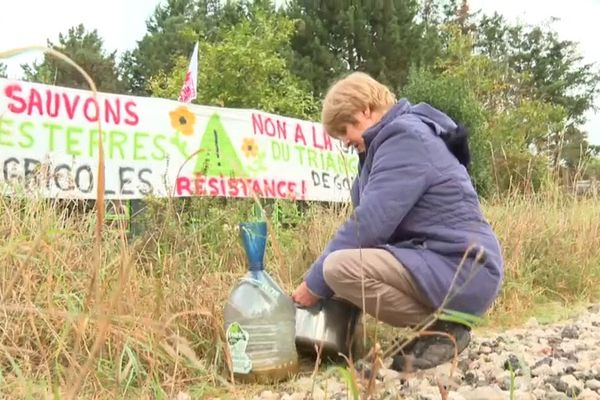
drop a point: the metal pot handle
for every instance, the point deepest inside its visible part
(317, 307)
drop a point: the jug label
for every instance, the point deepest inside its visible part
(237, 340)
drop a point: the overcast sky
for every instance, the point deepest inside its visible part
(122, 22)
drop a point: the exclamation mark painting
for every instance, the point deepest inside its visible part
(217, 147)
(219, 156)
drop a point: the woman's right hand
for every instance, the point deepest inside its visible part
(303, 296)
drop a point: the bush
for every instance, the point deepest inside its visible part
(452, 96)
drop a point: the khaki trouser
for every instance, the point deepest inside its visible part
(390, 294)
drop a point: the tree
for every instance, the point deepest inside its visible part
(592, 169)
(379, 37)
(571, 149)
(173, 30)
(505, 122)
(3, 70)
(554, 73)
(555, 67)
(451, 95)
(245, 69)
(85, 49)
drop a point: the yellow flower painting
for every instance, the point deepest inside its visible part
(183, 120)
(250, 148)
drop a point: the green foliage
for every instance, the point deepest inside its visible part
(555, 74)
(2, 70)
(348, 378)
(453, 96)
(570, 149)
(556, 69)
(469, 320)
(172, 31)
(592, 169)
(518, 138)
(86, 49)
(379, 37)
(245, 69)
(510, 140)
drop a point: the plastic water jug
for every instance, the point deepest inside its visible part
(260, 318)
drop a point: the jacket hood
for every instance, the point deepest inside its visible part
(439, 122)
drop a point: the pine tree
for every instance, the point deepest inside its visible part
(380, 37)
(173, 30)
(84, 48)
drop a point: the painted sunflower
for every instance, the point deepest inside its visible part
(250, 148)
(183, 120)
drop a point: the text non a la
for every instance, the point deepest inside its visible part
(277, 128)
(320, 140)
(269, 126)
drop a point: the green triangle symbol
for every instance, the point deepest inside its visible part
(218, 156)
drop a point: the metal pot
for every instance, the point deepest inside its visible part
(333, 325)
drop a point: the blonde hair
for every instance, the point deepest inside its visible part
(354, 93)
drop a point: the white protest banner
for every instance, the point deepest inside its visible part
(160, 147)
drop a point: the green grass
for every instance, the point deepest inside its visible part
(150, 326)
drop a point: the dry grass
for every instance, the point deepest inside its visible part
(552, 250)
(152, 326)
(152, 323)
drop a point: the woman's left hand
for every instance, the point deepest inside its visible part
(303, 296)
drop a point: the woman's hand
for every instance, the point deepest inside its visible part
(303, 296)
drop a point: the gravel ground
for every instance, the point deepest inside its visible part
(554, 362)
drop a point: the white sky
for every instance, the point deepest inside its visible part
(122, 22)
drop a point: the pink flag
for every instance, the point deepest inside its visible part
(188, 91)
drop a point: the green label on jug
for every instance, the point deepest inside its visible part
(237, 339)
